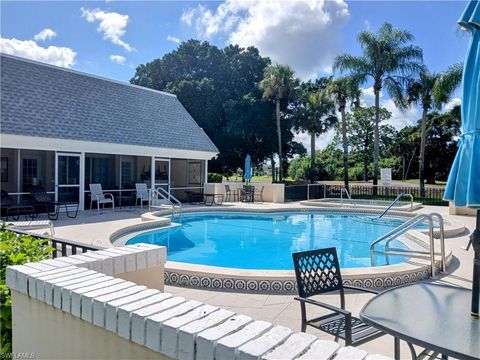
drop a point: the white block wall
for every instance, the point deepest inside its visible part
(85, 286)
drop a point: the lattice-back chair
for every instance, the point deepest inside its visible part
(318, 272)
(229, 193)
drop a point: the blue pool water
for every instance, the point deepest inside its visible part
(266, 241)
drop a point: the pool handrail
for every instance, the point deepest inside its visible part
(393, 234)
(169, 198)
(342, 190)
(395, 201)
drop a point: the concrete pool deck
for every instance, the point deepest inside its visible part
(278, 309)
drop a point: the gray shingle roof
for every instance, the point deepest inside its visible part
(47, 101)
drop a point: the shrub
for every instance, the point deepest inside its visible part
(15, 250)
(215, 178)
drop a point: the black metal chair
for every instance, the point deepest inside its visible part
(247, 193)
(318, 272)
(41, 201)
(229, 193)
(258, 194)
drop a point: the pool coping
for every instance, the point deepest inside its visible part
(283, 281)
(406, 207)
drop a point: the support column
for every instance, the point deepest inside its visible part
(206, 171)
(152, 172)
(81, 189)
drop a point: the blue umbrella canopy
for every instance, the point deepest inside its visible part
(463, 185)
(247, 175)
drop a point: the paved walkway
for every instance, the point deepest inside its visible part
(278, 309)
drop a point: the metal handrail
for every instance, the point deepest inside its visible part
(395, 201)
(342, 190)
(175, 204)
(392, 235)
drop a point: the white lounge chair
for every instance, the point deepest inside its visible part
(142, 194)
(32, 225)
(96, 194)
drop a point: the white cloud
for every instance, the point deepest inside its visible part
(301, 33)
(367, 25)
(452, 103)
(111, 24)
(118, 59)
(44, 35)
(399, 118)
(55, 55)
(321, 142)
(173, 39)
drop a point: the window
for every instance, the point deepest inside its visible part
(127, 174)
(30, 173)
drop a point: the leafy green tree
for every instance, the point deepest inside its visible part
(219, 88)
(343, 90)
(361, 125)
(441, 144)
(406, 144)
(315, 114)
(431, 90)
(389, 60)
(277, 84)
(15, 250)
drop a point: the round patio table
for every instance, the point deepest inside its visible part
(430, 315)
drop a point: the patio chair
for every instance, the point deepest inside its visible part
(142, 194)
(318, 272)
(31, 226)
(97, 194)
(258, 194)
(247, 193)
(229, 193)
(41, 201)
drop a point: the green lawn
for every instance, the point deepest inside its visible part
(408, 182)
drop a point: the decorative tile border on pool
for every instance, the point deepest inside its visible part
(287, 286)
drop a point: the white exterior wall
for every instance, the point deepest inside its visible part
(271, 192)
(63, 309)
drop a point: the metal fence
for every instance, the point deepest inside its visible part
(433, 196)
(61, 247)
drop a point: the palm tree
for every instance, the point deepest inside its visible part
(315, 114)
(278, 81)
(345, 89)
(389, 60)
(431, 90)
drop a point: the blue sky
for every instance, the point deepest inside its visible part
(110, 38)
(150, 23)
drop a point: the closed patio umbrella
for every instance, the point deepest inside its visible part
(463, 185)
(247, 175)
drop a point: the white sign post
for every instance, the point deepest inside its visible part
(386, 176)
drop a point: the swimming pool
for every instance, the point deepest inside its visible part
(265, 241)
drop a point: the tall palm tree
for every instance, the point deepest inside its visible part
(343, 90)
(315, 115)
(389, 60)
(431, 90)
(278, 82)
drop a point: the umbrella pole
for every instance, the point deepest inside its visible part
(475, 238)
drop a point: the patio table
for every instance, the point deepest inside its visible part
(194, 197)
(211, 199)
(433, 316)
(71, 209)
(16, 210)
